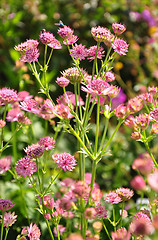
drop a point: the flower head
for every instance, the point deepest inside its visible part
(121, 234)
(73, 74)
(153, 180)
(81, 189)
(62, 81)
(118, 28)
(124, 193)
(25, 167)
(112, 198)
(34, 151)
(5, 205)
(120, 46)
(78, 52)
(96, 87)
(33, 232)
(5, 164)
(65, 161)
(9, 219)
(90, 213)
(48, 39)
(7, 96)
(63, 111)
(30, 105)
(47, 142)
(92, 51)
(144, 164)
(101, 34)
(28, 50)
(2, 123)
(138, 183)
(67, 34)
(101, 211)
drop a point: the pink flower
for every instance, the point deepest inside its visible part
(153, 180)
(48, 39)
(109, 76)
(30, 105)
(13, 114)
(65, 161)
(49, 202)
(78, 52)
(74, 75)
(90, 213)
(62, 81)
(121, 234)
(92, 51)
(7, 96)
(69, 98)
(61, 229)
(141, 225)
(101, 211)
(33, 232)
(74, 236)
(9, 219)
(120, 46)
(28, 50)
(154, 115)
(5, 205)
(62, 111)
(144, 164)
(101, 34)
(124, 193)
(118, 28)
(81, 189)
(142, 121)
(67, 34)
(112, 198)
(47, 142)
(138, 183)
(23, 95)
(25, 167)
(34, 151)
(154, 128)
(121, 111)
(134, 105)
(5, 164)
(96, 87)
(2, 123)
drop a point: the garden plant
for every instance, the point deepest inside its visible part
(90, 111)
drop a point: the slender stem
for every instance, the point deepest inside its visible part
(38, 175)
(45, 66)
(6, 233)
(114, 219)
(104, 134)
(49, 229)
(4, 116)
(52, 181)
(95, 60)
(2, 226)
(106, 230)
(97, 127)
(50, 56)
(58, 234)
(103, 65)
(94, 166)
(14, 146)
(150, 153)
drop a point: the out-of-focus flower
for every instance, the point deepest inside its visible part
(109, 76)
(138, 183)
(153, 180)
(7, 96)
(61, 229)
(112, 198)
(34, 232)
(134, 105)
(9, 219)
(25, 167)
(5, 164)
(81, 189)
(142, 121)
(70, 98)
(124, 193)
(62, 81)
(97, 226)
(136, 136)
(28, 50)
(144, 164)
(74, 236)
(78, 52)
(120, 46)
(62, 111)
(118, 28)
(92, 51)
(121, 234)
(34, 151)
(119, 99)
(65, 161)
(90, 213)
(2, 123)
(121, 111)
(47, 142)
(154, 128)
(5, 205)
(48, 201)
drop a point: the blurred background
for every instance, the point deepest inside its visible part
(24, 19)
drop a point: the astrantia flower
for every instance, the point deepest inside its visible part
(34, 151)
(61, 229)
(28, 50)
(153, 180)
(109, 76)
(101, 211)
(120, 46)
(65, 161)
(101, 34)
(33, 232)
(70, 98)
(154, 115)
(121, 234)
(118, 28)
(67, 34)
(25, 167)
(62, 81)
(62, 111)
(9, 219)
(78, 52)
(90, 213)
(92, 51)
(48, 201)
(7, 96)
(144, 164)
(73, 74)
(5, 164)
(30, 105)
(124, 193)
(48, 39)
(47, 142)
(112, 198)
(5, 205)
(81, 189)
(96, 87)
(138, 183)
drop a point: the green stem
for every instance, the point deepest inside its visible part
(45, 66)
(49, 229)
(150, 153)
(58, 232)
(114, 219)
(106, 230)
(104, 64)
(94, 166)
(14, 146)
(95, 60)
(4, 116)
(52, 181)
(2, 226)
(38, 175)
(104, 134)
(50, 56)
(97, 127)
(6, 233)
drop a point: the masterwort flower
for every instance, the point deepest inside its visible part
(47, 142)
(120, 46)
(124, 193)
(101, 34)
(25, 167)
(34, 151)
(112, 198)
(9, 219)
(118, 28)
(33, 232)
(65, 161)
(5, 205)
(74, 75)
(79, 52)
(7, 96)
(121, 234)
(92, 51)
(5, 164)
(48, 39)
(96, 87)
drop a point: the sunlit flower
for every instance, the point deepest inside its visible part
(78, 52)
(90, 213)
(74, 75)
(9, 219)
(65, 161)
(124, 193)
(121, 234)
(5, 205)
(62, 81)
(96, 87)
(25, 167)
(112, 198)
(92, 51)
(47, 142)
(33, 232)
(34, 151)
(118, 28)
(7, 96)
(120, 46)
(101, 34)
(5, 164)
